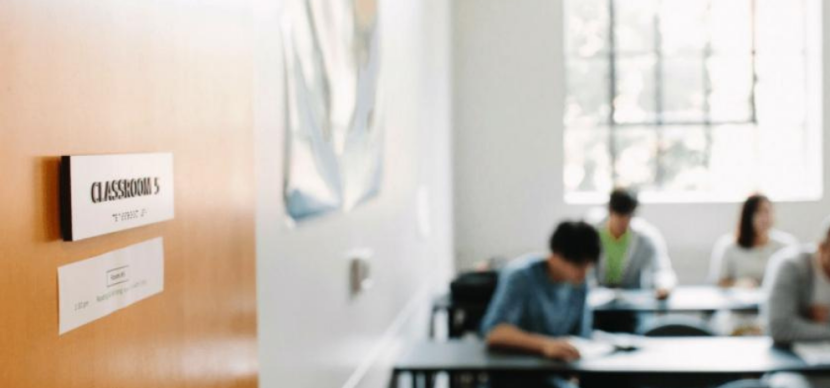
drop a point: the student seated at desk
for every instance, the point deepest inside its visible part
(540, 298)
(742, 259)
(634, 252)
(798, 306)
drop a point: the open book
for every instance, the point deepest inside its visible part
(603, 344)
(589, 349)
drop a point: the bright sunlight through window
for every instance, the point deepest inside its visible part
(693, 100)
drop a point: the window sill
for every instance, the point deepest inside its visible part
(585, 198)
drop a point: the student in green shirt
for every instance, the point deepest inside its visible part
(634, 252)
(634, 257)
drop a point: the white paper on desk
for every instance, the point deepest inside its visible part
(813, 353)
(620, 341)
(589, 349)
(91, 289)
(601, 296)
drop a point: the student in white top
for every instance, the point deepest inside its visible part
(741, 260)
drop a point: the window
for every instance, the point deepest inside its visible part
(705, 100)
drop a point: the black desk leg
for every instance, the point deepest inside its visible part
(393, 382)
(423, 380)
(432, 324)
(450, 323)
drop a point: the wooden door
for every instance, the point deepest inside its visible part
(127, 76)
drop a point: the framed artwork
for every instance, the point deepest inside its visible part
(334, 137)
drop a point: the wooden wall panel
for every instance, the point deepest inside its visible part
(105, 76)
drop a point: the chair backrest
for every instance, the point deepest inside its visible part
(746, 384)
(474, 287)
(680, 326)
(471, 293)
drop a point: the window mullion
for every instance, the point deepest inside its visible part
(753, 15)
(707, 88)
(612, 93)
(658, 98)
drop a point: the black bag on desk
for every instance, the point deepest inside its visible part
(470, 295)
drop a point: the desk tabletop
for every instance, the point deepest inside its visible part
(749, 355)
(682, 299)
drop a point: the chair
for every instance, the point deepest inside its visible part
(746, 384)
(678, 326)
(792, 380)
(470, 296)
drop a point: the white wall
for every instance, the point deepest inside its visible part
(508, 106)
(312, 333)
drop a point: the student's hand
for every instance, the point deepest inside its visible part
(560, 350)
(662, 293)
(820, 314)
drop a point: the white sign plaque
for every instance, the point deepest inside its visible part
(94, 288)
(102, 194)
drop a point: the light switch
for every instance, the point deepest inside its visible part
(360, 269)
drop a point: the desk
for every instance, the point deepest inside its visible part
(685, 299)
(658, 361)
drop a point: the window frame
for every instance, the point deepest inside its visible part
(811, 125)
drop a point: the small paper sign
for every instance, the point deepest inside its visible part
(94, 288)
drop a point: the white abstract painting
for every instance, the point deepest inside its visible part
(334, 137)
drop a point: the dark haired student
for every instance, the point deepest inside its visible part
(634, 252)
(542, 298)
(741, 259)
(798, 304)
